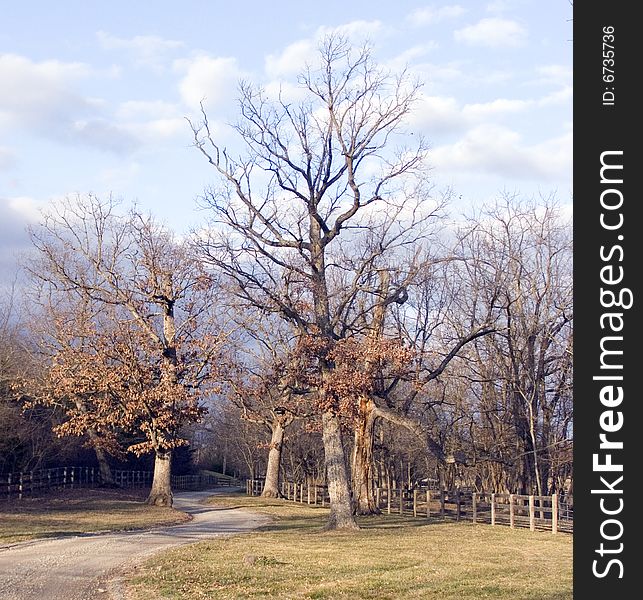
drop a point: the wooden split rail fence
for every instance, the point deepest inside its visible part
(29, 482)
(515, 510)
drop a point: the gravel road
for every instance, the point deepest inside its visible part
(86, 567)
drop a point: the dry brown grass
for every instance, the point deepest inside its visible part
(390, 558)
(80, 511)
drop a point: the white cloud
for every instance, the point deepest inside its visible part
(210, 79)
(40, 97)
(437, 114)
(354, 30)
(294, 57)
(25, 207)
(147, 50)
(291, 60)
(146, 109)
(157, 130)
(497, 150)
(151, 121)
(36, 93)
(553, 74)
(499, 107)
(102, 134)
(430, 15)
(410, 55)
(561, 96)
(493, 32)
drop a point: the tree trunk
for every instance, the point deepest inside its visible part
(362, 471)
(341, 513)
(271, 486)
(106, 477)
(161, 492)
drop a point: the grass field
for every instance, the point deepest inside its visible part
(80, 511)
(390, 558)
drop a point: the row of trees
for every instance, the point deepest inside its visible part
(328, 300)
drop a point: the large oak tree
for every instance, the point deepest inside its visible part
(320, 200)
(142, 351)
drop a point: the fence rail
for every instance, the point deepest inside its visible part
(516, 510)
(17, 485)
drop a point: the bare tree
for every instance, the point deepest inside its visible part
(263, 386)
(318, 201)
(519, 267)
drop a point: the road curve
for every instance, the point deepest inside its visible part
(86, 567)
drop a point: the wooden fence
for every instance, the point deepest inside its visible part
(201, 481)
(515, 510)
(29, 482)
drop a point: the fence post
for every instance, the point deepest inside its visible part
(388, 501)
(511, 510)
(401, 501)
(308, 492)
(428, 503)
(554, 513)
(457, 505)
(323, 496)
(415, 503)
(474, 508)
(442, 501)
(377, 497)
(20, 487)
(493, 509)
(532, 514)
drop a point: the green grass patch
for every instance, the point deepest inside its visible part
(81, 511)
(391, 557)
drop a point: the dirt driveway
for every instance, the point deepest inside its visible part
(87, 567)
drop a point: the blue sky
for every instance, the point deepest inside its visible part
(94, 95)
